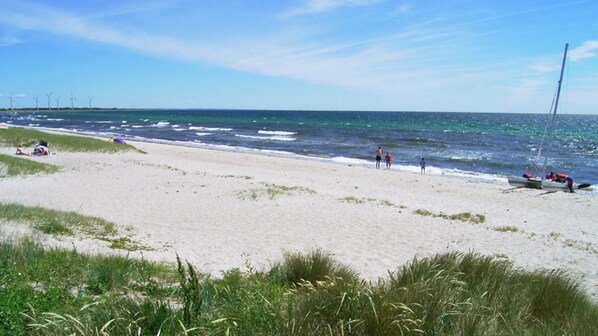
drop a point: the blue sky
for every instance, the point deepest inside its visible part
(470, 56)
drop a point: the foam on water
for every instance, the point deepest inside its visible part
(212, 129)
(275, 138)
(276, 132)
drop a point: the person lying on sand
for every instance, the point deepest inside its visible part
(41, 150)
(21, 151)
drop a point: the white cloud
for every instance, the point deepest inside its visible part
(586, 50)
(524, 93)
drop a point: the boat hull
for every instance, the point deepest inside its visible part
(533, 183)
(524, 182)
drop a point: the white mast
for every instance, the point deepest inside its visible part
(553, 118)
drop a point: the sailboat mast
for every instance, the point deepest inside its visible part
(553, 117)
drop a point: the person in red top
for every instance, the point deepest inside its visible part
(387, 158)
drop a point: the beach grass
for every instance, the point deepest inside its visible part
(463, 216)
(63, 292)
(15, 136)
(271, 191)
(68, 223)
(507, 228)
(17, 166)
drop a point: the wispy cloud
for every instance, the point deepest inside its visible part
(321, 6)
(587, 50)
(8, 40)
(525, 92)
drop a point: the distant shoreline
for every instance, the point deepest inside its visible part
(116, 109)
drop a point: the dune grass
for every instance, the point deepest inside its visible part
(272, 191)
(463, 216)
(17, 166)
(14, 136)
(61, 292)
(68, 223)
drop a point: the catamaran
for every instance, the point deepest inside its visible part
(527, 180)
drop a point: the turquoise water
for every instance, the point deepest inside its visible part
(486, 145)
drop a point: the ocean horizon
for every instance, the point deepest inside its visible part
(485, 145)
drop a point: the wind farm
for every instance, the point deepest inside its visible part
(53, 103)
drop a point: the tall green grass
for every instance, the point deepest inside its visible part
(15, 136)
(59, 292)
(16, 166)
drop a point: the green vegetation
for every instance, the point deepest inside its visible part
(357, 200)
(353, 199)
(64, 223)
(463, 217)
(60, 292)
(16, 166)
(506, 229)
(14, 136)
(272, 191)
(245, 177)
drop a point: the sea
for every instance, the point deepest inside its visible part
(483, 146)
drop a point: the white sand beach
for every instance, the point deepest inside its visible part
(211, 208)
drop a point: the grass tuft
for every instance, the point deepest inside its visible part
(506, 229)
(272, 191)
(463, 217)
(62, 223)
(18, 166)
(314, 267)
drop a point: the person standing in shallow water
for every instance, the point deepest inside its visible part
(378, 153)
(422, 164)
(387, 159)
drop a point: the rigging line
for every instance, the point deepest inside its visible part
(541, 147)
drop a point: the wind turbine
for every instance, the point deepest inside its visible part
(90, 99)
(49, 95)
(72, 99)
(36, 102)
(11, 97)
(57, 102)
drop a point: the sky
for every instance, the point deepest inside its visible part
(368, 55)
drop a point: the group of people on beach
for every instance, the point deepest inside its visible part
(388, 158)
(40, 149)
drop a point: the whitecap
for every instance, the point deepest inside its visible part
(276, 137)
(160, 124)
(212, 129)
(276, 132)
